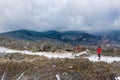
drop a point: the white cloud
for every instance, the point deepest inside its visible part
(59, 14)
(116, 24)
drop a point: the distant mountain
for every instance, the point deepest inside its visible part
(110, 38)
(80, 37)
(110, 35)
(23, 35)
(53, 34)
(71, 37)
(113, 35)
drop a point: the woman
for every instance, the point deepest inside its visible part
(99, 52)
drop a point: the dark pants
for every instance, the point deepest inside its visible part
(99, 56)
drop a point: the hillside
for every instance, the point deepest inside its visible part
(110, 35)
(52, 40)
(71, 37)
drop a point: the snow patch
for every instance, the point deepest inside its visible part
(81, 53)
(3, 76)
(46, 54)
(107, 59)
(58, 77)
(117, 78)
(20, 77)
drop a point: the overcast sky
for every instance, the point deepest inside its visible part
(42, 15)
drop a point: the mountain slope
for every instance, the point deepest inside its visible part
(80, 37)
(71, 37)
(110, 35)
(24, 35)
(53, 34)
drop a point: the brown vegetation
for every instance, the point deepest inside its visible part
(67, 69)
(79, 48)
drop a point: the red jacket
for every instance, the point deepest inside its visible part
(99, 50)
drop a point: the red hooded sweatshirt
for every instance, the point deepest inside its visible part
(99, 50)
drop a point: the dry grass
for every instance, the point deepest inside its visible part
(67, 69)
(21, 57)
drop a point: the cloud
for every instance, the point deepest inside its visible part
(41, 15)
(116, 24)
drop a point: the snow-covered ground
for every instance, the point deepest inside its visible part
(117, 78)
(46, 54)
(93, 58)
(58, 77)
(107, 59)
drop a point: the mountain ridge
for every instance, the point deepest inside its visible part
(71, 37)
